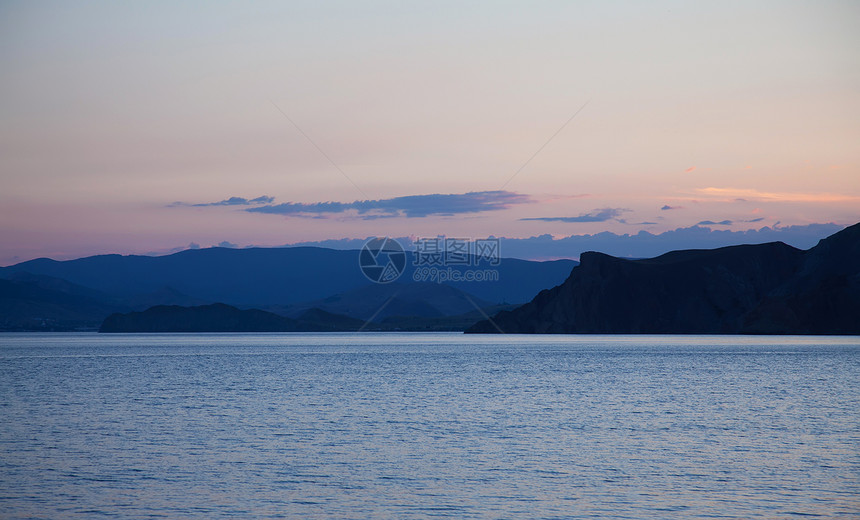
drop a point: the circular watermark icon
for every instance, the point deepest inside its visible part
(382, 260)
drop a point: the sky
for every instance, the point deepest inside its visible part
(150, 126)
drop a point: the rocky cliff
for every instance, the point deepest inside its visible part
(751, 289)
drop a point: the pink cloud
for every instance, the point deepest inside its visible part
(690, 169)
(753, 194)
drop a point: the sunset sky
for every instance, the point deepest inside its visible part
(140, 127)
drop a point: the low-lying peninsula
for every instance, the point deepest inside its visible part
(219, 317)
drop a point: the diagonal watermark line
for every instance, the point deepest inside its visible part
(487, 316)
(539, 150)
(320, 149)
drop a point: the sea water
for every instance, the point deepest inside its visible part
(428, 425)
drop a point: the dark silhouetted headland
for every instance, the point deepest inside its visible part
(751, 289)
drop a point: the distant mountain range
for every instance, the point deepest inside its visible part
(269, 276)
(751, 289)
(46, 294)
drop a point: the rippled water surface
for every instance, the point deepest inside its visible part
(428, 425)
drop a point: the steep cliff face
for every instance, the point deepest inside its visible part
(822, 298)
(769, 288)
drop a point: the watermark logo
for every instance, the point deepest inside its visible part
(382, 260)
(443, 259)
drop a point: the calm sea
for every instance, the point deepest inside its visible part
(428, 425)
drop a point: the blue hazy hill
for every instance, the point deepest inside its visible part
(34, 302)
(268, 276)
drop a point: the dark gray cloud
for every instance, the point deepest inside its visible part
(727, 222)
(230, 245)
(597, 215)
(232, 201)
(239, 201)
(668, 207)
(411, 206)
